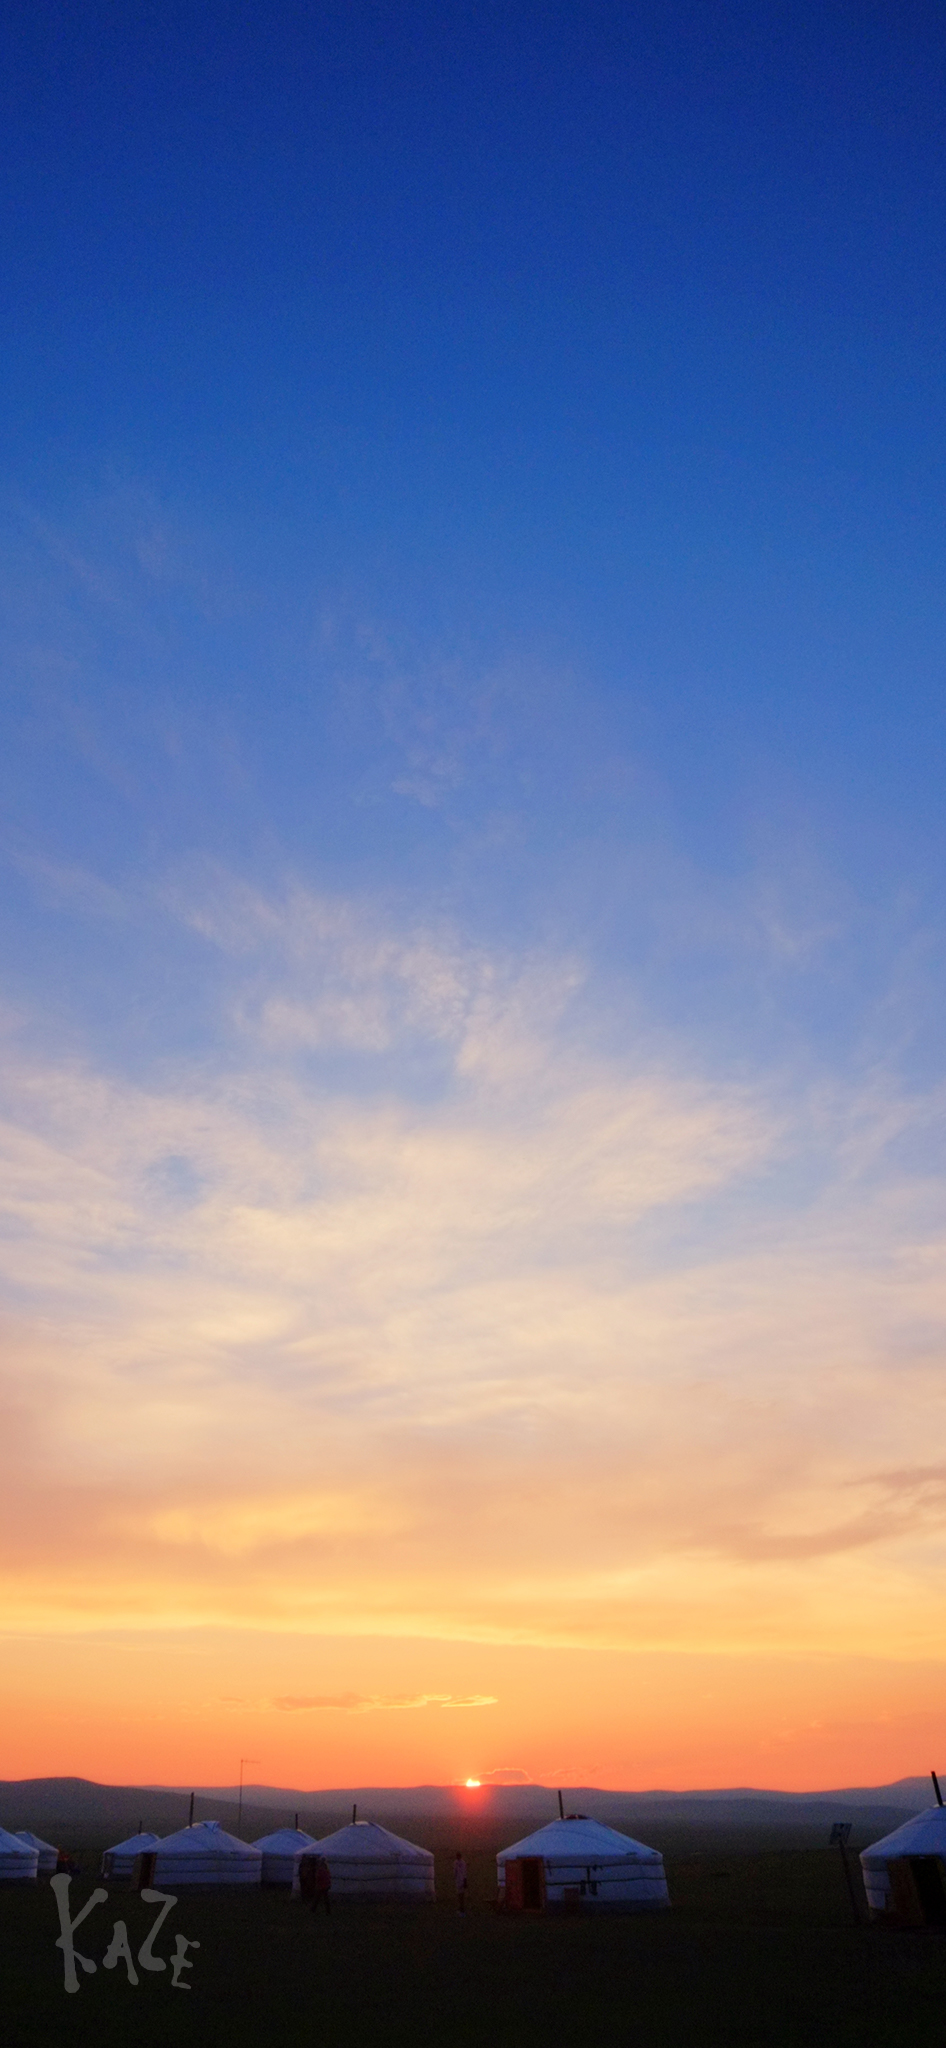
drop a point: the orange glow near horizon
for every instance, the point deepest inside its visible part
(458, 1438)
(183, 1708)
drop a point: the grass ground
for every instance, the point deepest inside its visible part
(759, 1951)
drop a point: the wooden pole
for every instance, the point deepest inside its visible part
(939, 1796)
(354, 1815)
(561, 1809)
(190, 1817)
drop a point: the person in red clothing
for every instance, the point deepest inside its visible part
(321, 1885)
(315, 1882)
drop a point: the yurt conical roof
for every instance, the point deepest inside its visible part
(48, 1853)
(923, 1835)
(119, 1860)
(366, 1860)
(363, 1838)
(18, 1859)
(280, 1851)
(205, 1854)
(580, 1840)
(285, 1842)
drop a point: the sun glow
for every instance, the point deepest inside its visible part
(473, 1782)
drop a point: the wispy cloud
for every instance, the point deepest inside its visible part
(73, 888)
(518, 1341)
(361, 1703)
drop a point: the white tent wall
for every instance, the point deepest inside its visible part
(19, 1864)
(118, 1862)
(368, 1862)
(592, 1865)
(281, 1851)
(48, 1855)
(206, 1854)
(924, 1835)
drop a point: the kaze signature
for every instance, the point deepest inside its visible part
(118, 1950)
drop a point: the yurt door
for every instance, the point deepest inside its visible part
(533, 1884)
(525, 1884)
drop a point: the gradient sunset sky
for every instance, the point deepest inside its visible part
(473, 909)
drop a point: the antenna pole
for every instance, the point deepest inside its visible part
(243, 1760)
(354, 1815)
(190, 1817)
(939, 1796)
(561, 1809)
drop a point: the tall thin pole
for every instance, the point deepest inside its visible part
(840, 1833)
(561, 1808)
(354, 1815)
(243, 1760)
(190, 1817)
(939, 1796)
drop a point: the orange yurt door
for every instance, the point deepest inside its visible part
(525, 1884)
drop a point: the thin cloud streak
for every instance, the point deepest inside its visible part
(358, 1703)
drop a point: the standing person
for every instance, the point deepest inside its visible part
(321, 1885)
(459, 1880)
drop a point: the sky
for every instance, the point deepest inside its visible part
(472, 1081)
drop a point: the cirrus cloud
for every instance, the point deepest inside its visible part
(361, 1703)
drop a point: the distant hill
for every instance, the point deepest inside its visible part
(78, 1803)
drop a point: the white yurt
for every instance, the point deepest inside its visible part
(118, 1862)
(368, 1862)
(578, 1862)
(279, 1852)
(48, 1856)
(921, 1844)
(18, 1862)
(205, 1854)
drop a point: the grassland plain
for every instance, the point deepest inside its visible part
(759, 1951)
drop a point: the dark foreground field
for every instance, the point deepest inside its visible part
(759, 1951)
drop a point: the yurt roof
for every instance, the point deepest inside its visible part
(579, 1840)
(17, 1845)
(206, 1838)
(924, 1835)
(285, 1842)
(365, 1840)
(134, 1845)
(35, 1841)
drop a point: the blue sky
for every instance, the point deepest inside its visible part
(471, 542)
(579, 361)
